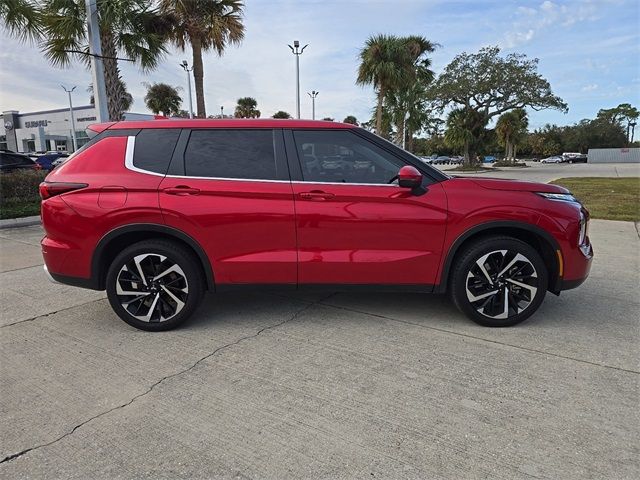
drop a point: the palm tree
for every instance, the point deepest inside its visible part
(246, 108)
(391, 64)
(281, 114)
(125, 99)
(205, 25)
(21, 19)
(462, 133)
(511, 128)
(130, 28)
(381, 65)
(162, 98)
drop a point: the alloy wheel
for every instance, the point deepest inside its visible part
(501, 284)
(152, 288)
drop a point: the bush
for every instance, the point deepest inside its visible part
(19, 196)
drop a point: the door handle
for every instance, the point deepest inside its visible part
(317, 195)
(181, 190)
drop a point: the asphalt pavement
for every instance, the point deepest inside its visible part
(321, 386)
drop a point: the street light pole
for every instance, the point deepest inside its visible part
(221, 111)
(186, 68)
(73, 122)
(313, 94)
(297, 51)
(97, 68)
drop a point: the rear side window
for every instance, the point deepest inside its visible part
(231, 154)
(154, 149)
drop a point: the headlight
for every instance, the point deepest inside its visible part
(583, 229)
(561, 197)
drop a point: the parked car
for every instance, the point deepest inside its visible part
(577, 159)
(157, 213)
(551, 160)
(47, 160)
(489, 159)
(10, 162)
(442, 160)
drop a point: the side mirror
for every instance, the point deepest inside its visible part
(409, 177)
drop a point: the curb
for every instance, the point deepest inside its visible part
(19, 222)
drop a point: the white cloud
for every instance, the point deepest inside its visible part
(590, 88)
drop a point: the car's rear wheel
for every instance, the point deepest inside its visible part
(499, 281)
(154, 285)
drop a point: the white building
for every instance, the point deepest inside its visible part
(50, 129)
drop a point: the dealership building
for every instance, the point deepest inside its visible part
(50, 129)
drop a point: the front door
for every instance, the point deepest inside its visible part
(234, 197)
(355, 225)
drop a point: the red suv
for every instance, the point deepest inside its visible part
(158, 212)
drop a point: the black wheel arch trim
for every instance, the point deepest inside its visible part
(98, 269)
(554, 284)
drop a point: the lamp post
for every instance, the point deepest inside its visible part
(97, 68)
(297, 51)
(186, 68)
(313, 94)
(221, 111)
(73, 122)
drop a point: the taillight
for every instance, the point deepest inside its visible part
(51, 189)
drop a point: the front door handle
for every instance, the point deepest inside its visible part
(317, 195)
(181, 190)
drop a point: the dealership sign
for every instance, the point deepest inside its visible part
(36, 124)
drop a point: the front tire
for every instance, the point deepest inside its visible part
(154, 285)
(499, 281)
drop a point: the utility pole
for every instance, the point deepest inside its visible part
(186, 68)
(73, 122)
(97, 67)
(313, 94)
(297, 51)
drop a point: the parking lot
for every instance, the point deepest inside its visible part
(324, 386)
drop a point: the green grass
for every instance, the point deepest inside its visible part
(20, 209)
(19, 195)
(607, 198)
(471, 168)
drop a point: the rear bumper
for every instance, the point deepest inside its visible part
(73, 281)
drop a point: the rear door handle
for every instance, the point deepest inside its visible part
(181, 190)
(317, 195)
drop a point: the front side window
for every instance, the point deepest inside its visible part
(339, 156)
(241, 154)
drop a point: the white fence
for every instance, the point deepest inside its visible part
(613, 155)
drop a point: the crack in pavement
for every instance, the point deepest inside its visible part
(44, 315)
(11, 457)
(466, 335)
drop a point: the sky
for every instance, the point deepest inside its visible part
(589, 50)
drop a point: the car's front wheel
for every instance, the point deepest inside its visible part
(154, 285)
(499, 281)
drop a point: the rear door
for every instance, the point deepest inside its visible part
(355, 225)
(230, 190)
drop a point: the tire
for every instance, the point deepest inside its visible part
(471, 287)
(171, 291)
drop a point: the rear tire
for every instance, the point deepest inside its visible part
(154, 285)
(498, 281)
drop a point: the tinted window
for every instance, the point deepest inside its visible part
(341, 156)
(154, 148)
(231, 154)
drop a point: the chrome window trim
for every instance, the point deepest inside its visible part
(346, 183)
(128, 162)
(128, 158)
